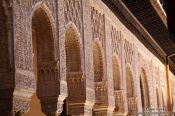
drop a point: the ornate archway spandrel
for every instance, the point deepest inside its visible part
(129, 53)
(116, 37)
(73, 13)
(98, 25)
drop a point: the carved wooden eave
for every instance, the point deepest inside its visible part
(159, 9)
(148, 25)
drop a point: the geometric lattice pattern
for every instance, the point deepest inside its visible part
(98, 25)
(129, 52)
(116, 41)
(73, 12)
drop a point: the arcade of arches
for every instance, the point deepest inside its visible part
(76, 58)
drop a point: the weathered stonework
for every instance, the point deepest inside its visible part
(78, 58)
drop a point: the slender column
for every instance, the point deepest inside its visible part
(81, 109)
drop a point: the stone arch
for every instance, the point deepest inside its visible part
(44, 66)
(44, 7)
(98, 61)
(116, 73)
(130, 91)
(42, 36)
(75, 79)
(144, 89)
(73, 51)
(43, 10)
(101, 99)
(129, 82)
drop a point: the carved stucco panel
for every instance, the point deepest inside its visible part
(98, 25)
(25, 80)
(22, 18)
(129, 53)
(116, 37)
(23, 34)
(18, 35)
(21, 104)
(73, 13)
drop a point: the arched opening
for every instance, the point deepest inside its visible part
(142, 95)
(129, 83)
(4, 62)
(73, 57)
(173, 105)
(116, 73)
(163, 101)
(118, 92)
(144, 90)
(98, 62)
(73, 66)
(131, 100)
(100, 90)
(42, 38)
(158, 100)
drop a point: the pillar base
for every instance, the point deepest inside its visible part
(80, 109)
(102, 111)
